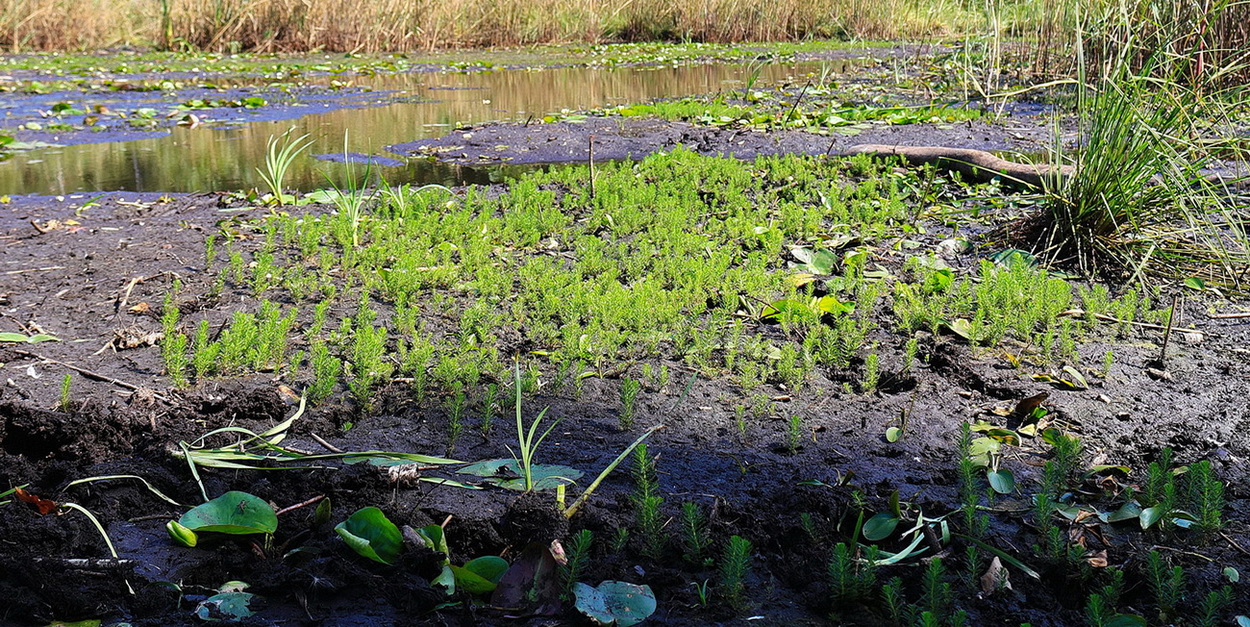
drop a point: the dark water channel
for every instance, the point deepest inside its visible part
(210, 158)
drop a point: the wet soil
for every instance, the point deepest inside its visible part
(617, 138)
(95, 275)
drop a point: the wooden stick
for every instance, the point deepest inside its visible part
(1167, 334)
(87, 373)
(299, 505)
(329, 447)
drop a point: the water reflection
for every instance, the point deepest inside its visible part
(208, 159)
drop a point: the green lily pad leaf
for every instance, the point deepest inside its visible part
(774, 310)
(229, 605)
(893, 434)
(1126, 620)
(481, 575)
(1012, 258)
(963, 328)
(815, 262)
(447, 579)
(1231, 574)
(831, 305)
(1002, 481)
(1243, 621)
(980, 450)
(614, 603)
(371, 534)
(506, 473)
(879, 527)
(433, 538)
(1127, 511)
(9, 336)
(236, 513)
(1151, 515)
(939, 281)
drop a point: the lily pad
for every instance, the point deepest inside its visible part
(480, 576)
(879, 527)
(615, 603)
(236, 513)
(506, 473)
(815, 261)
(371, 534)
(1002, 481)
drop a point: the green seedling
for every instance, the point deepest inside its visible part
(280, 152)
(371, 534)
(629, 399)
(695, 538)
(614, 603)
(66, 383)
(648, 520)
(578, 555)
(735, 564)
(526, 442)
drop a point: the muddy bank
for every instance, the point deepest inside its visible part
(96, 277)
(617, 138)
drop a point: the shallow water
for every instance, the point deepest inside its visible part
(210, 158)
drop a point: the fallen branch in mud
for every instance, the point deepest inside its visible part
(977, 165)
(88, 373)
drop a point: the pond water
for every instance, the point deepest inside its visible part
(208, 158)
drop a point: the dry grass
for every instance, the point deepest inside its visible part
(381, 25)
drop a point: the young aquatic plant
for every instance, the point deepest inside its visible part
(851, 580)
(794, 433)
(735, 564)
(1205, 496)
(490, 399)
(66, 383)
(455, 418)
(695, 539)
(629, 400)
(280, 152)
(1167, 583)
(648, 520)
(578, 560)
(174, 345)
(528, 440)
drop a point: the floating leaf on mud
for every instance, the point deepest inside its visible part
(939, 281)
(1012, 258)
(815, 262)
(961, 327)
(1127, 511)
(1151, 515)
(615, 603)
(237, 513)
(371, 534)
(1195, 283)
(1243, 621)
(1125, 620)
(533, 581)
(996, 577)
(41, 505)
(230, 604)
(831, 305)
(506, 473)
(480, 576)
(1002, 481)
(893, 434)
(980, 450)
(879, 527)
(773, 310)
(9, 336)
(1231, 574)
